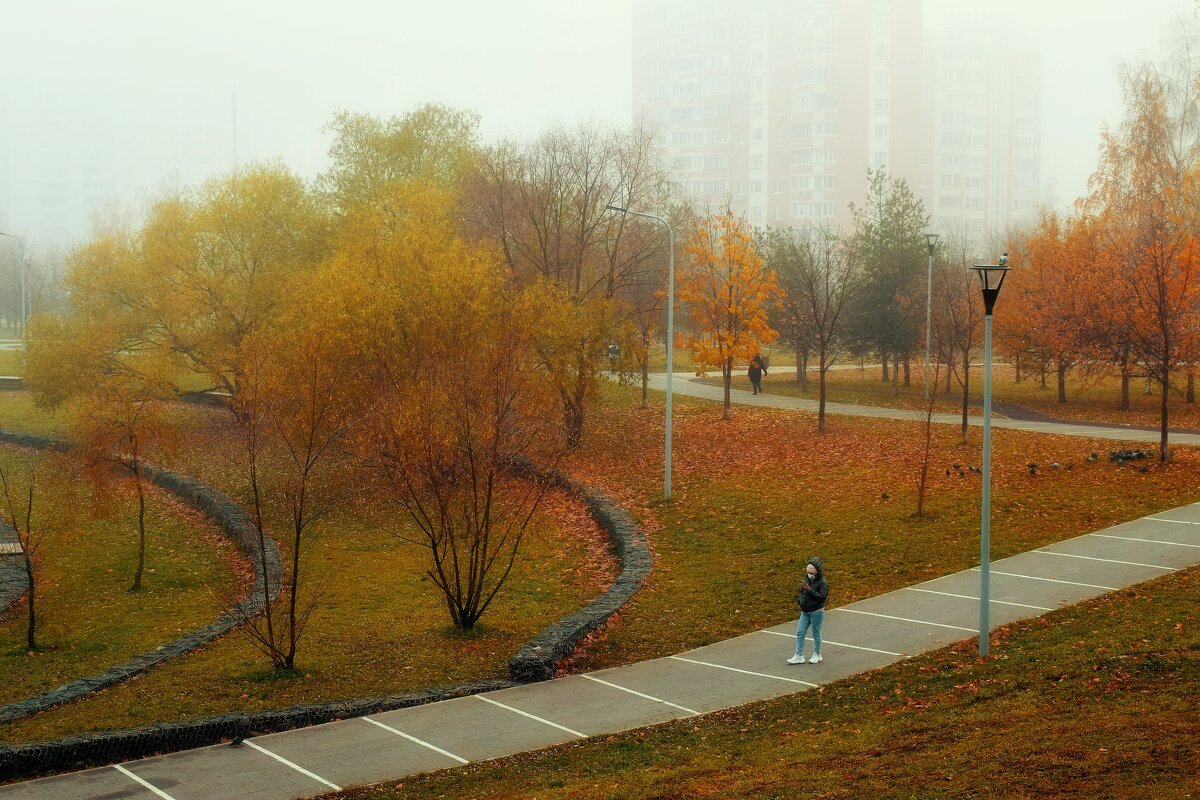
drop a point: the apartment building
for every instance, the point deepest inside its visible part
(778, 109)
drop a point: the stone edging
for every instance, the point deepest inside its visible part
(235, 525)
(85, 750)
(537, 659)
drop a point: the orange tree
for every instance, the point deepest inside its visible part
(1142, 203)
(728, 289)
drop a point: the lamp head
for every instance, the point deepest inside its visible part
(931, 240)
(991, 276)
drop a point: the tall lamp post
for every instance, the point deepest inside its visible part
(931, 241)
(24, 268)
(992, 278)
(670, 334)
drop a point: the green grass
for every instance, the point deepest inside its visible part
(1096, 700)
(12, 362)
(87, 619)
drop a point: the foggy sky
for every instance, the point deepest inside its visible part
(147, 87)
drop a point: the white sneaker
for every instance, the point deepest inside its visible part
(815, 659)
(796, 659)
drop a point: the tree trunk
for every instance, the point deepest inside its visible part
(31, 629)
(1125, 378)
(966, 406)
(645, 381)
(802, 369)
(1062, 381)
(823, 367)
(290, 661)
(895, 376)
(884, 355)
(907, 371)
(1163, 452)
(1043, 373)
(727, 374)
(1191, 387)
(1017, 365)
(141, 566)
(949, 372)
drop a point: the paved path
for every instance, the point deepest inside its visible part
(683, 384)
(858, 637)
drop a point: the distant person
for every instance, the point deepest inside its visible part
(813, 593)
(755, 373)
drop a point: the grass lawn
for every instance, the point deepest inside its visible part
(1096, 700)
(754, 498)
(12, 362)
(380, 626)
(87, 620)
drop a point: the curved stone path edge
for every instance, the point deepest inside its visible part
(232, 521)
(535, 661)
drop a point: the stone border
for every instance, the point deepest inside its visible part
(233, 522)
(108, 747)
(537, 660)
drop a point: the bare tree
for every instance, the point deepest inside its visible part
(819, 275)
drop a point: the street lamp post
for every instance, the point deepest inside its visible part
(24, 270)
(992, 278)
(670, 335)
(931, 241)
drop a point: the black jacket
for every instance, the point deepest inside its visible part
(818, 590)
(756, 370)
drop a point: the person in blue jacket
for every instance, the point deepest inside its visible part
(813, 594)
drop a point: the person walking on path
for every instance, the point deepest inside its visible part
(755, 373)
(813, 593)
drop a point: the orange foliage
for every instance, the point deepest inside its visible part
(729, 290)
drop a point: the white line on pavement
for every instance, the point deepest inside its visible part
(421, 742)
(1147, 541)
(743, 671)
(1180, 521)
(1050, 580)
(906, 619)
(531, 716)
(646, 696)
(157, 791)
(969, 597)
(825, 641)
(296, 767)
(1108, 560)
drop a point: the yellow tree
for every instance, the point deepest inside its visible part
(729, 290)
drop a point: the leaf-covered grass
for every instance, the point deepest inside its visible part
(755, 497)
(87, 618)
(380, 625)
(12, 362)
(1096, 700)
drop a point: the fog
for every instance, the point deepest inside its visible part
(103, 105)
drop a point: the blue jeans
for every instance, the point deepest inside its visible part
(813, 618)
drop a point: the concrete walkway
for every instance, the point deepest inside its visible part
(684, 383)
(858, 637)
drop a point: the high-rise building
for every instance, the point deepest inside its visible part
(982, 138)
(778, 109)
